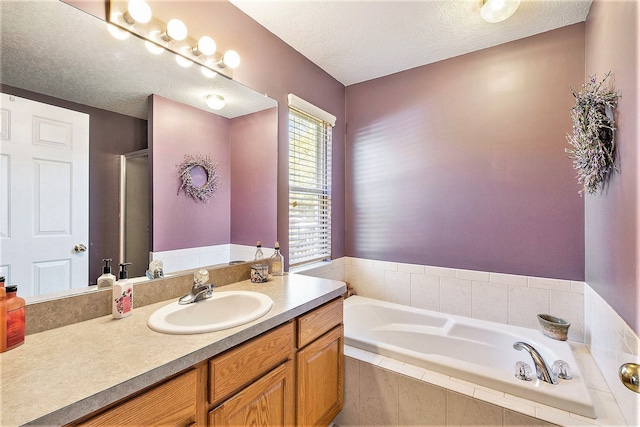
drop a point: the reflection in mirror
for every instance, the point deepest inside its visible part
(58, 55)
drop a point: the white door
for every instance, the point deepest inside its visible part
(44, 196)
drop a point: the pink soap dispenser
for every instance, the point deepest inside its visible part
(122, 301)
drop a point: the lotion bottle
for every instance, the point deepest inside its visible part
(107, 279)
(12, 319)
(122, 300)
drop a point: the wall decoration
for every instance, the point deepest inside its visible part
(198, 162)
(593, 151)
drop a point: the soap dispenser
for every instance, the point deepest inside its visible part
(107, 279)
(122, 301)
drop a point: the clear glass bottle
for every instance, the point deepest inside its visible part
(259, 254)
(277, 263)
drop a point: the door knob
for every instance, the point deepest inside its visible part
(79, 248)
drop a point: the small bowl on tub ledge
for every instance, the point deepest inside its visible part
(554, 327)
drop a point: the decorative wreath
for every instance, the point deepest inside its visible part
(213, 179)
(593, 151)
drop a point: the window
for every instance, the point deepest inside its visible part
(310, 132)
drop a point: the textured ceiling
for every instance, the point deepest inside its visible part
(55, 49)
(355, 41)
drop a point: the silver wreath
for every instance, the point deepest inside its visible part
(207, 190)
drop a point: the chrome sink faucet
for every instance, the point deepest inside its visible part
(199, 290)
(543, 371)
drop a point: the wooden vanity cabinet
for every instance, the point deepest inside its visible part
(320, 365)
(290, 375)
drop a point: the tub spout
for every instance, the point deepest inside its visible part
(542, 369)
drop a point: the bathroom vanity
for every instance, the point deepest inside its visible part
(285, 368)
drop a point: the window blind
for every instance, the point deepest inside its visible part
(309, 188)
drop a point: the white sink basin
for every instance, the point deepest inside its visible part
(223, 310)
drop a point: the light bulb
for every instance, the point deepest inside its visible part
(117, 32)
(181, 60)
(230, 59)
(176, 30)
(205, 46)
(215, 102)
(498, 10)
(137, 11)
(207, 72)
(153, 47)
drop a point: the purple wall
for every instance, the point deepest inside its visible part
(110, 135)
(461, 163)
(254, 175)
(178, 220)
(611, 216)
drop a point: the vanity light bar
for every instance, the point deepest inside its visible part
(172, 36)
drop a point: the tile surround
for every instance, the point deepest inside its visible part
(511, 299)
(504, 298)
(384, 392)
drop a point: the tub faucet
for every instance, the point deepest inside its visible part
(199, 290)
(542, 369)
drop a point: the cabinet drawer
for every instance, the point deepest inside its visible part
(172, 403)
(243, 364)
(317, 322)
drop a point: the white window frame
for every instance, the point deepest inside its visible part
(309, 182)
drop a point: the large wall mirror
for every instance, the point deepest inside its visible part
(145, 114)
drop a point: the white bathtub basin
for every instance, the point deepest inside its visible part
(473, 350)
(223, 310)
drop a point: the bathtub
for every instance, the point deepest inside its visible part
(473, 350)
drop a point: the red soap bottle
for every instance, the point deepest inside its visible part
(11, 319)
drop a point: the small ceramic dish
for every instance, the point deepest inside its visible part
(554, 327)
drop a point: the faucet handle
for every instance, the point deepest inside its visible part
(200, 277)
(561, 369)
(523, 371)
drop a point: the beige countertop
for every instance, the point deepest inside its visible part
(60, 375)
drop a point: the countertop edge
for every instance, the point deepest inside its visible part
(93, 403)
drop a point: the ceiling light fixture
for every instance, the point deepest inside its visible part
(176, 30)
(137, 11)
(230, 59)
(215, 102)
(205, 46)
(498, 10)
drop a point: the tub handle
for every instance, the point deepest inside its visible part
(523, 371)
(561, 370)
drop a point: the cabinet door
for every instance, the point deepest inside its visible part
(321, 379)
(267, 402)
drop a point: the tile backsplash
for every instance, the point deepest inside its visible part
(190, 258)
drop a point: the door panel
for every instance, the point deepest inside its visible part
(44, 180)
